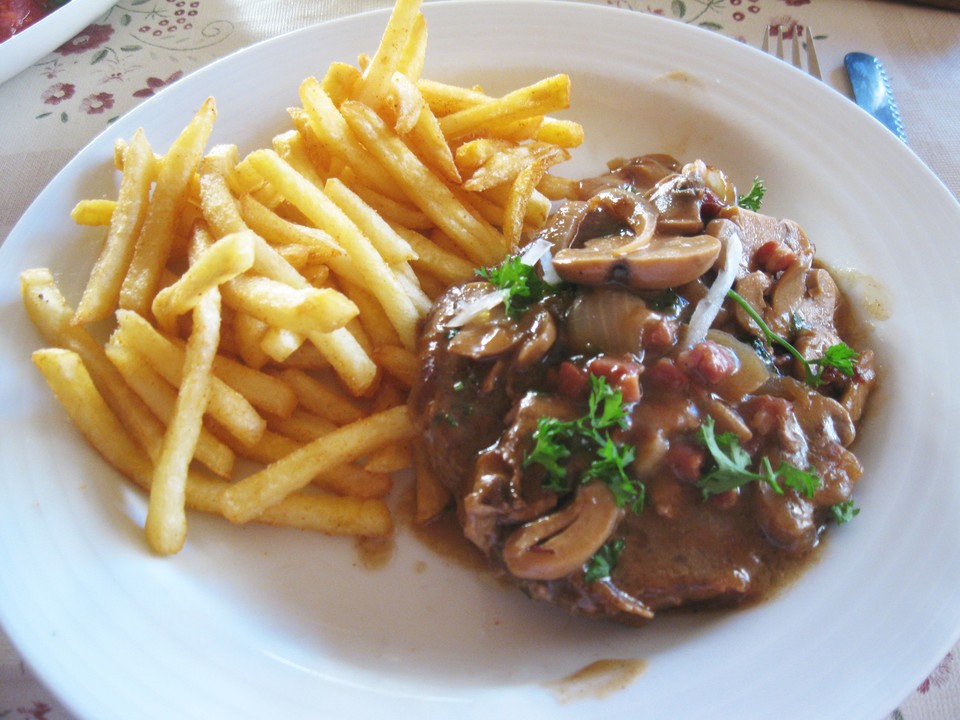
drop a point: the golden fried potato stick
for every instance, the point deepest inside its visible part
(248, 498)
(515, 212)
(102, 293)
(438, 262)
(72, 385)
(166, 525)
(421, 130)
(333, 134)
(161, 397)
(374, 87)
(279, 231)
(225, 259)
(540, 98)
(94, 213)
(479, 240)
(52, 316)
(302, 310)
(156, 237)
(377, 276)
(165, 354)
(322, 399)
(399, 362)
(432, 496)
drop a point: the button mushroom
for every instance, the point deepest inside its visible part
(662, 263)
(556, 545)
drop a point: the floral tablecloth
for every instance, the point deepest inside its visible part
(55, 106)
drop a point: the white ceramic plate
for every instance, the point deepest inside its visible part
(45, 36)
(261, 622)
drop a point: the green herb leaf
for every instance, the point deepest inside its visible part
(840, 356)
(555, 441)
(604, 560)
(754, 196)
(523, 285)
(844, 512)
(732, 467)
(551, 446)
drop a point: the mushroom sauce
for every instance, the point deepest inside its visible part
(659, 413)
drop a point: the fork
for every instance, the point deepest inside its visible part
(813, 65)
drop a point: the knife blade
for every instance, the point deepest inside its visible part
(872, 92)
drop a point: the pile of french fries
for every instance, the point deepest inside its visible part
(262, 311)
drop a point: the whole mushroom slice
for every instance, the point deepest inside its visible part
(556, 545)
(662, 263)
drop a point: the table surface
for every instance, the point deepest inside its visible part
(51, 109)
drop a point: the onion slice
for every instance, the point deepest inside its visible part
(473, 308)
(709, 306)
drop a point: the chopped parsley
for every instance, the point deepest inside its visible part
(753, 198)
(840, 356)
(556, 440)
(844, 512)
(732, 467)
(522, 283)
(603, 561)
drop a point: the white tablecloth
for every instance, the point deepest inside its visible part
(54, 107)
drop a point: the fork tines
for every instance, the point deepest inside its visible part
(813, 64)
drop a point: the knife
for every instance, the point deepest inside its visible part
(871, 90)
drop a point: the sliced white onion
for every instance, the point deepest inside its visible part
(476, 306)
(550, 274)
(535, 250)
(541, 250)
(709, 306)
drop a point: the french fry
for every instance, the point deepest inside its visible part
(336, 138)
(156, 236)
(166, 524)
(72, 385)
(225, 259)
(355, 482)
(161, 397)
(280, 231)
(302, 310)
(247, 498)
(446, 266)
(322, 211)
(390, 458)
(479, 241)
(266, 308)
(52, 316)
(319, 398)
(166, 354)
(94, 213)
(103, 286)
(540, 98)
(431, 496)
(421, 129)
(374, 87)
(399, 362)
(516, 210)
(391, 246)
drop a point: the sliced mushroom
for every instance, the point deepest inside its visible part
(558, 544)
(664, 263)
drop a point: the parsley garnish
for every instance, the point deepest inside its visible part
(521, 282)
(555, 441)
(603, 561)
(754, 197)
(844, 512)
(840, 356)
(732, 467)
